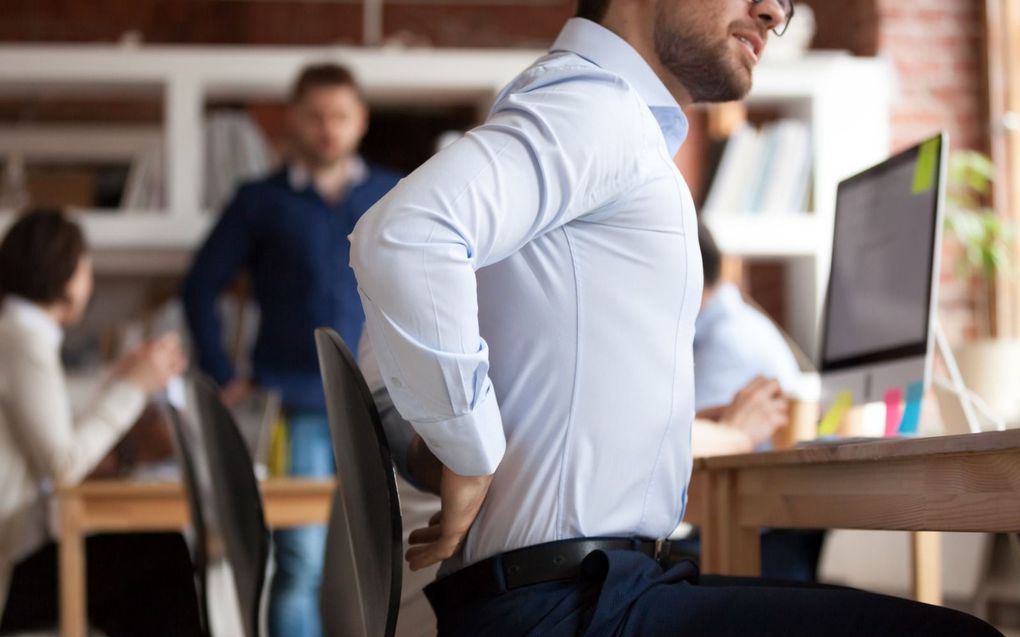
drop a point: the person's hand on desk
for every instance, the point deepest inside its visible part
(462, 498)
(758, 410)
(149, 441)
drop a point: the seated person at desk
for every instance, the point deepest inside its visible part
(138, 584)
(733, 343)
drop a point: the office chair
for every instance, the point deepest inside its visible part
(236, 501)
(361, 580)
(184, 439)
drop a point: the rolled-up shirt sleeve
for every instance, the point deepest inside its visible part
(399, 433)
(545, 157)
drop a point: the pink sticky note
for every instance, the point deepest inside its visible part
(893, 410)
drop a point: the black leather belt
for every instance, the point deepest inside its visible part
(549, 562)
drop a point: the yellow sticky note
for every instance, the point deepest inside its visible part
(830, 423)
(279, 449)
(924, 172)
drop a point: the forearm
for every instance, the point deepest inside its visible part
(712, 439)
(715, 414)
(425, 469)
(199, 298)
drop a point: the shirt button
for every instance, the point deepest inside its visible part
(396, 382)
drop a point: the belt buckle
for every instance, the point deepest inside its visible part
(661, 550)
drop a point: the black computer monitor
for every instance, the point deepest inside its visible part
(878, 319)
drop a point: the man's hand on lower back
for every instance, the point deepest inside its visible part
(462, 498)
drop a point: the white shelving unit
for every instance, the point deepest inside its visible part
(187, 78)
(845, 100)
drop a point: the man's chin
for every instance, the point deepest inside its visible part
(327, 160)
(737, 86)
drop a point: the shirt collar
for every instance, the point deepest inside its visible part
(35, 318)
(605, 49)
(300, 178)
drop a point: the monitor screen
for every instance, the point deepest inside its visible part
(880, 286)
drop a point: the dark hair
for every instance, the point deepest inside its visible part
(323, 76)
(593, 10)
(711, 259)
(39, 255)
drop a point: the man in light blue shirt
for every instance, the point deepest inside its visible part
(733, 341)
(530, 293)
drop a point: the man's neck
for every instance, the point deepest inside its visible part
(331, 179)
(636, 25)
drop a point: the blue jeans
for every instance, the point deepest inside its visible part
(294, 593)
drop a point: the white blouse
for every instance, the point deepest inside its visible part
(42, 442)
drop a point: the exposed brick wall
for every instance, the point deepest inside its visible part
(938, 48)
(848, 26)
(470, 23)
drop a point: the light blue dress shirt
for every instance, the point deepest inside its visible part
(531, 292)
(734, 342)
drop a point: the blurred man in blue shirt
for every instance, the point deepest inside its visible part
(289, 233)
(733, 341)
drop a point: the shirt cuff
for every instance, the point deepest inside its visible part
(468, 445)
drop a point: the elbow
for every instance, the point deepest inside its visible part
(361, 239)
(375, 251)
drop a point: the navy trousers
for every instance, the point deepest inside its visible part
(627, 593)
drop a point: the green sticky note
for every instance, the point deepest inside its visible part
(924, 172)
(830, 423)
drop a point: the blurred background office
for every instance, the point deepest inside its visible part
(143, 117)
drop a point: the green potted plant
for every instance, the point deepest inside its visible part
(990, 362)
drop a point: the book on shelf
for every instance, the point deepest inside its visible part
(144, 187)
(763, 171)
(235, 150)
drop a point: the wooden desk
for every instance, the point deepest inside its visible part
(949, 483)
(125, 506)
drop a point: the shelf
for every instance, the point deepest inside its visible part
(81, 142)
(386, 74)
(139, 231)
(770, 235)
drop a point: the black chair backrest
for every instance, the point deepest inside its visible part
(361, 579)
(236, 500)
(185, 445)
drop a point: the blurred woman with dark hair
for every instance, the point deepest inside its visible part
(138, 584)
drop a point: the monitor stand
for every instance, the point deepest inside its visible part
(970, 402)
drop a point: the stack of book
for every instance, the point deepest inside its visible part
(235, 150)
(763, 171)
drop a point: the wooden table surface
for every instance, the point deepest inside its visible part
(132, 505)
(950, 483)
(969, 482)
